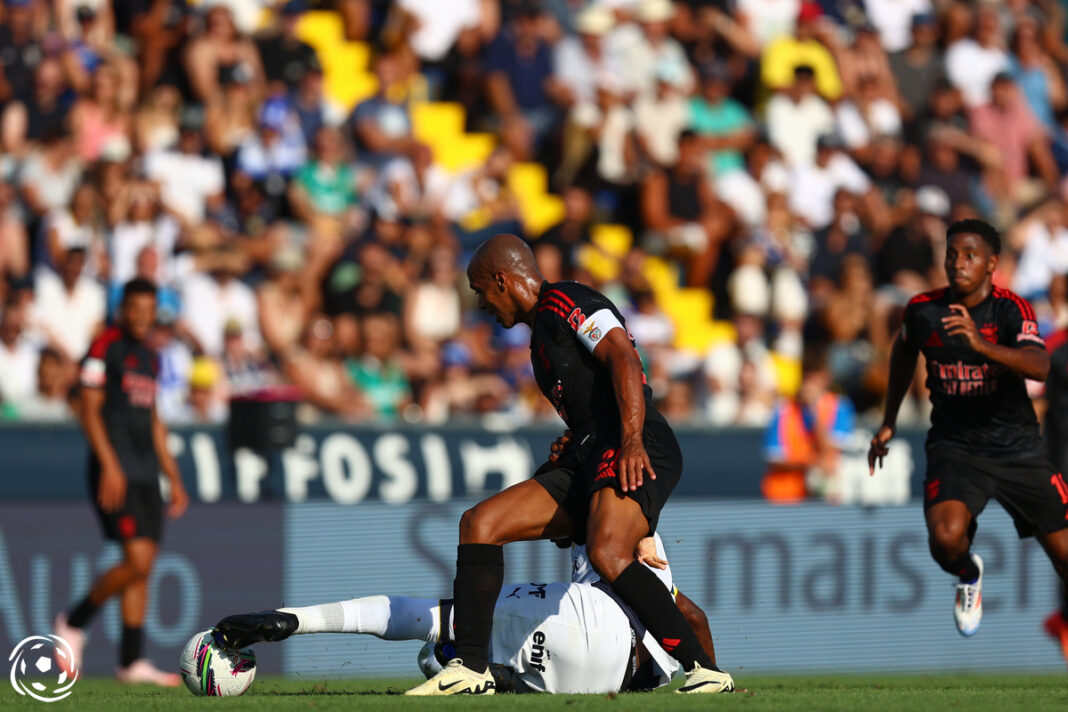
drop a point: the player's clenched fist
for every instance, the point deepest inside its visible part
(557, 448)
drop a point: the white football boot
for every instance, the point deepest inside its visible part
(75, 638)
(968, 609)
(455, 679)
(705, 680)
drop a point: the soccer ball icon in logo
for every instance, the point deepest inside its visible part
(212, 671)
(34, 671)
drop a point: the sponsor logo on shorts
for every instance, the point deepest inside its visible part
(607, 468)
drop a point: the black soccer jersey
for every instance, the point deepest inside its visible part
(571, 320)
(979, 405)
(126, 369)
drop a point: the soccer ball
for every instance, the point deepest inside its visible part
(209, 670)
(433, 656)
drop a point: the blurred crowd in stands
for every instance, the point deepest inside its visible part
(781, 173)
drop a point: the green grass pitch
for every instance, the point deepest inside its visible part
(915, 693)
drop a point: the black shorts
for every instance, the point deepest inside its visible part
(141, 514)
(572, 486)
(1027, 486)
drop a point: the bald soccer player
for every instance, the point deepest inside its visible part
(605, 484)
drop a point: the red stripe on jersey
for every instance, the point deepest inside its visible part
(99, 348)
(1025, 309)
(1056, 340)
(928, 296)
(550, 299)
(563, 297)
(553, 308)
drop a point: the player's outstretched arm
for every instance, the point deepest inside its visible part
(1030, 361)
(617, 352)
(902, 367)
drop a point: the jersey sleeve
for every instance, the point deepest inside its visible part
(589, 315)
(1020, 326)
(94, 370)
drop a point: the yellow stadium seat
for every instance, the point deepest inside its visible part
(437, 122)
(614, 239)
(320, 29)
(603, 267)
(663, 277)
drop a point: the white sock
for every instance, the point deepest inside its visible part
(385, 617)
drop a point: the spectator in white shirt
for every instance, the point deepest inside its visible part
(579, 59)
(797, 117)
(972, 63)
(814, 185)
(189, 181)
(18, 357)
(69, 307)
(209, 301)
(643, 51)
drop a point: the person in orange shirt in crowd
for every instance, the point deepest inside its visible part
(806, 435)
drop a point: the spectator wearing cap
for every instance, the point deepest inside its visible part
(649, 48)
(580, 58)
(191, 183)
(276, 151)
(972, 62)
(1007, 123)
(219, 47)
(918, 67)
(69, 307)
(203, 404)
(797, 117)
(724, 125)
(522, 91)
(805, 48)
(46, 110)
(380, 125)
(21, 52)
(814, 185)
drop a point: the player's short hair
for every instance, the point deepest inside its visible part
(983, 229)
(138, 285)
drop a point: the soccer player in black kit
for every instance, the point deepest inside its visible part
(606, 485)
(127, 450)
(980, 343)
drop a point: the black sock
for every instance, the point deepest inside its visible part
(81, 614)
(479, 577)
(964, 568)
(131, 645)
(645, 594)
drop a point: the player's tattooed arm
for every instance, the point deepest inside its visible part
(1030, 361)
(617, 352)
(903, 358)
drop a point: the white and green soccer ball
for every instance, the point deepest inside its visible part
(211, 671)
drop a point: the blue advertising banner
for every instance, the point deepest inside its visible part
(404, 464)
(213, 561)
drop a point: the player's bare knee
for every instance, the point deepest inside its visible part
(477, 526)
(607, 560)
(949, 539)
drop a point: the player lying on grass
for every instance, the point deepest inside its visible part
(573, 637)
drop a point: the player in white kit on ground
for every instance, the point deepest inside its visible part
(557, 637)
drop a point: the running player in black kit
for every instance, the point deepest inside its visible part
(980, 343)
(606, 487)
(127, 450)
